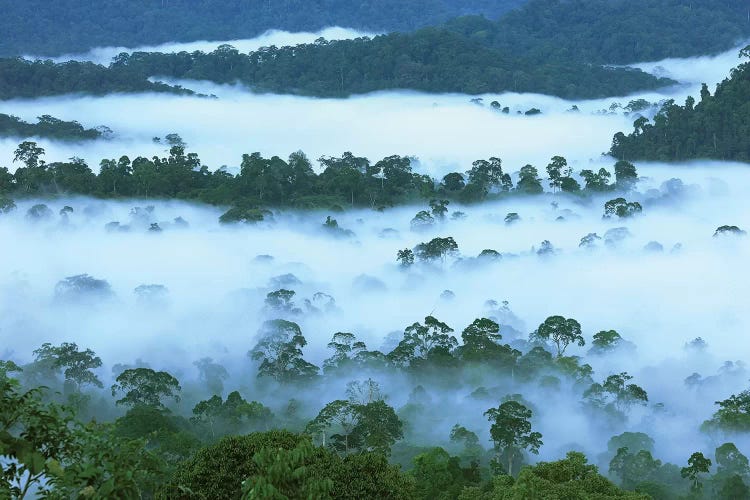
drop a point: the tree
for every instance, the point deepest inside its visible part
(82, 287)
(43, 447)
(481, 344)
(571, 477)
(422, 220)
(733, 414)
(608, 341)
(697, 465)
(405, 257)
(622, 208)
(730, 460)
(440, 476)
(377, 427)
(633, 441)
(280, 352)
(633, 469)
(283, 474)
(77, 364)
(561, 331)
(453, 182)
(339, 414)
(487, 175)
(212, 374)
(231, 416)
(29, 154)
(439, 208)
(616, 393)
(472, 450)
(528, 181)
(734, 488)
(436, 248)
(422, 342)
(596, 181)
(282, 302)
(625, 175)
(511, 430)
(556, 171)
(146, 387)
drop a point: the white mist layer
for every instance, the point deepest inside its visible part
(445, 132)
(279, 38)
(657, 300)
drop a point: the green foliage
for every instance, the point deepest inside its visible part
(245, 215)
(21, 78)
(423, 343)
(264, 184)
(440, 476)
(146, 387)
(528, 181)
(616, 394)
(436, 249)
(561, 331)
(697, 465)
(38, 27)
(511, 431)
(716, 127)
(613, 31)
(43, 447)
(77, 364)
(233, 416)
(280, 352)
(49, 127)
(218, 471)
(733, 414)
(282, 474)
(621, 208)
(641, 471)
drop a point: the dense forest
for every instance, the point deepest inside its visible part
(49, 127)
(262, 183)
(613, 31)
(430, 60)
(597, 31)
(48, 28)
(715, 126)
(20, 78)
(153, 435)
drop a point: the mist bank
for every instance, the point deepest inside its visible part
(166, 307)
(272, 37)
(453, 131)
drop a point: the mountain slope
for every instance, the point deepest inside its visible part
(614, 31)
(717, 126)
(50, 28)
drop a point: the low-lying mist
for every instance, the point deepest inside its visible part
(443, 131)
(280, 38)
(659, 296)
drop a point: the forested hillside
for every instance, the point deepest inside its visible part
(23, 78)
(716, 126)
(431, 60)
(63, 26)
(614, 31)
(48, 126)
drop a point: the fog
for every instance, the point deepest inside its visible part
(104, 55)
(659, 300)
(443, 131)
